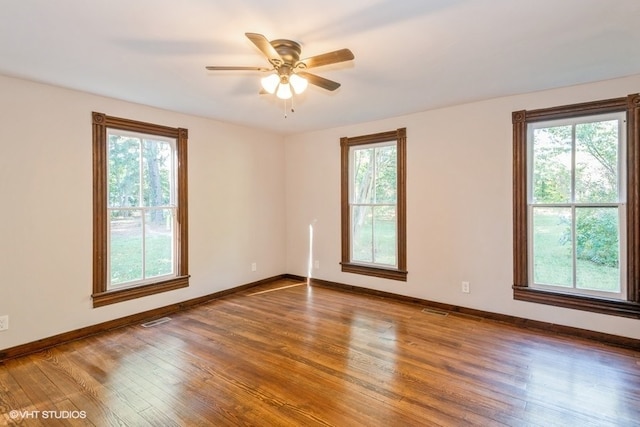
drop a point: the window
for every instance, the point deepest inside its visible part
(576, 213)
(374, 205)
(140, 209)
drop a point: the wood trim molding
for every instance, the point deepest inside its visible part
(111, 297)
(600, 337)
(136, 126)
(580, 302)
(576, 110)
(633, 197)
(344, 200)
(43, 344)
(520, 268)
(401, 135)
(375, 137)
(99, 201)
(182, 177)
(375, 271)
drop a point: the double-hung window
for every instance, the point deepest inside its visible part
(373, 205)
(139, 209)
(576, 206)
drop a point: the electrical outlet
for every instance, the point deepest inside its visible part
(466, 288)
(316, 264)
(4, 322)
(254, 266)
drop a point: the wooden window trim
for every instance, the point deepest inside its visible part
(521, 290)
(101, 296)
(400, 273)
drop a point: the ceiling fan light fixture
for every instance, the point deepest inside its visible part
(299, 84)
(284, 91)
(270, 83)
(284, 59)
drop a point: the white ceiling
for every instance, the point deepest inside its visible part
(410, 55)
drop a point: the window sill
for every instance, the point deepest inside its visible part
(367, 270)
(119, 295)
(578, 302)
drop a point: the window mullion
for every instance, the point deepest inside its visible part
(143, 213)
(574, 249)
(574, 228)
(144, 242)
(374, 177)
(573, 163)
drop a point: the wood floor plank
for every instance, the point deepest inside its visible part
(283, 355)
(74, 378)
(12, 397)
(156, 386)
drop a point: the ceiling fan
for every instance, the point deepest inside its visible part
(289, 75)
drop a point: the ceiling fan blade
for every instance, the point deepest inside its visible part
(232, 68)
(328, 58)
(265, 47)
(319, 81)
(236, 68)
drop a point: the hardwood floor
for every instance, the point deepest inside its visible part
(288, 354)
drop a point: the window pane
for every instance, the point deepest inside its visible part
(385, 235)
(386, 174)
(124, 171)
(598, 246)
(158, 242)
(126, 246)
(552, 165)
(362, 235)
(552, 246)
(157, 158)
(597, 162)
(363, 175)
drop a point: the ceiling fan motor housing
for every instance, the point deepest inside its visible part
(288, 50)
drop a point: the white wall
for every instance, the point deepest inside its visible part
(236, 208)
(459, 204)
